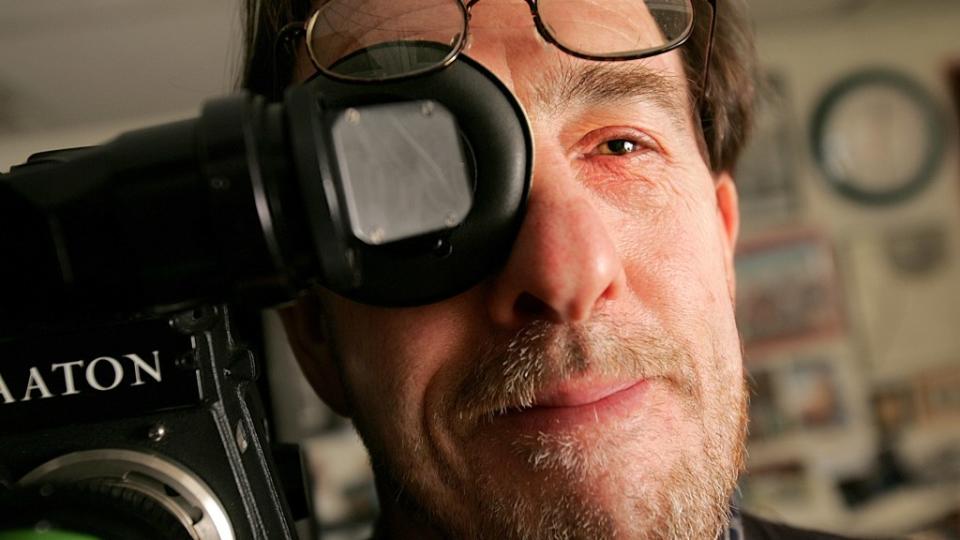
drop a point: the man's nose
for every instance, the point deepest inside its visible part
(564, 264)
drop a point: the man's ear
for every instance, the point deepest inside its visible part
(307, 333)
(728, 212)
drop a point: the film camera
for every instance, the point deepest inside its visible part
(129, 403)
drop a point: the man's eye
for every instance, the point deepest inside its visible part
(617, 147)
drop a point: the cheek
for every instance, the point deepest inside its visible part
(390, 358)
(674, 259)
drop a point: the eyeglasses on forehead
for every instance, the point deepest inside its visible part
(387, 40)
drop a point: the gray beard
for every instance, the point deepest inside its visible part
(690, 501)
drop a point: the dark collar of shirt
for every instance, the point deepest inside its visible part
(747, 527)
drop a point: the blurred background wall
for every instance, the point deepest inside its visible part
(849, 307)
(78, 73)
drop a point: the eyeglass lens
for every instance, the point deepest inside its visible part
(382, 39)
(616, 28)
(385, 39)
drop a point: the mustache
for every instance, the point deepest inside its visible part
(509, 374)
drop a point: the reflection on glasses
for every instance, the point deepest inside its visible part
(379, 40)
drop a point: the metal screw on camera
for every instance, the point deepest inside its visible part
(157, 432)
(241, 437)
(353, 116)
(185, 361)
(219, 183)
(427, 108)
(442, 248)
(377, 234)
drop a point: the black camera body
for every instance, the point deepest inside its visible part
(159, 413)
(129, 404)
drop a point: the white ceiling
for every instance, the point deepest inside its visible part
(64, 63)
(68, 63)
(764, 11)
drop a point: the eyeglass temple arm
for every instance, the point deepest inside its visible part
(285, 36)
(709, 53)
(703, 108)
(706, 64)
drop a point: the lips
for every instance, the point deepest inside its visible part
(579, 392)
(564, 375)
(574, 403)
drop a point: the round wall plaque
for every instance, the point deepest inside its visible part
(878, 137)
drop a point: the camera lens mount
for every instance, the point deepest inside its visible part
(127, 481)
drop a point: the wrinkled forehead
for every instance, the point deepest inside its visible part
(598, 24)
(503, 32)
(587, 25)
(504, 38)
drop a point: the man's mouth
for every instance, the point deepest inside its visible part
(579, 392)
(573, 402)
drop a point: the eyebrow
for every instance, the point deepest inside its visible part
(610, 83)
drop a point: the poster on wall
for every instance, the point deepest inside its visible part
(776, 485)
(953, 78)
(802, 395)
(787, 290)
(939, 396)
(765, 173)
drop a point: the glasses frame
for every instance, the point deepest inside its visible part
(549, 38)
(298, 29)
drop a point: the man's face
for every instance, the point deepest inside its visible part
(593, 387)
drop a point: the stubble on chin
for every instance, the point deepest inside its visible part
(588, 485)
(574, 486)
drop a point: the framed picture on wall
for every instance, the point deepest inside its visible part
(939, 395)
(802, 394)
(775, 485)
(953, 79)
(766, 171)
(787, 290)
(894, 407)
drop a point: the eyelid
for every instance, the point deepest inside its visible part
(594, 139)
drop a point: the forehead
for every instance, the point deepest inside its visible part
(503, 36)
(585, 25)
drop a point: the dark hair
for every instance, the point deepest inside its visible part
(728, 99)
(727, 108)
(262, 21)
